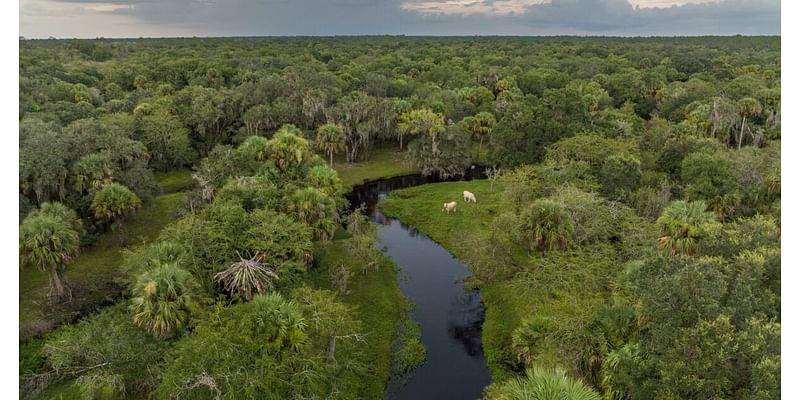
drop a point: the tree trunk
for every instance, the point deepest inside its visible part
(401, 142)
(741, 132)
(59, 289)
(332, 349)
(123, 240)
(330, 155)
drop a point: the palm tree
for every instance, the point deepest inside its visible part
(325, 179)
(280, 321)
(248, 275)
(113, 203)
(63, 213)
(162, 300)
(48, 241)
(543, 384)
(316, 210)
(747, 108)
(681, 225)
(548, 226)
(287, 149)
(92, 172)
(255, 147)
(330, 139)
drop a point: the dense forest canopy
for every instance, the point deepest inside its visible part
(659, 154)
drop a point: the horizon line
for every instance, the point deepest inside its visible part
(333, 36)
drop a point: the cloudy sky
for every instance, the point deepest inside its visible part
(156, 18)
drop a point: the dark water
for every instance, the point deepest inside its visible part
(450, 315)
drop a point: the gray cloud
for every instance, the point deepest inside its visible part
(351, 17)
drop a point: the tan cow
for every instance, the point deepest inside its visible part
(469, 196)
(451, 206)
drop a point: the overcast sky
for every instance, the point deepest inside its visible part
(156, 18)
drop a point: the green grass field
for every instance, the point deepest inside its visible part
(565, 287)
(92, 273)
(175, 181)
(382, 163)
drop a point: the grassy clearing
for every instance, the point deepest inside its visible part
(175, 181)
(382, 163)
(93, 274)
(380, 306)
(564, 287)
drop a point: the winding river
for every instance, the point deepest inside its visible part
(450, 315)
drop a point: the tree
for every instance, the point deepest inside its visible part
(113, 203)
(712, 177)
(316, 210)
(328, 319)
(420, 122)
(48, 240)
(547, 226)
(682, 224)
(330, 139)
(747, 107)
(480, 126)
(248, 275)
(162, 300)
(167, 141)
(359, 116)
(543, 384)
(287, 149)
(446, 154)
(91, 172)
(620, 175)
(105, 354)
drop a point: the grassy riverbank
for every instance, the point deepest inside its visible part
(382, 163)
(94, 273)
(564, 288)
(380, 305)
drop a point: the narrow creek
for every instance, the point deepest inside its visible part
(450, 315)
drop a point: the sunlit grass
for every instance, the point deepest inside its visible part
(381, 163)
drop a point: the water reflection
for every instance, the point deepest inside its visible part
(464, 322)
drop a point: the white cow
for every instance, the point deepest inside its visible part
(469, 196)
(451, 206)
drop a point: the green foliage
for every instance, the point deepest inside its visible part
(330, 139)
(163, 300)
(421, 122)
(167, 141)
(315, 209)
(682, 225)
(444, 153)
(268, 348)
(223, 232)
(542, 384)
(410, 352)
(620, 175)
(288, 150)
(114, 201)
(712, 177)
(547, 226)
(107, 354)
